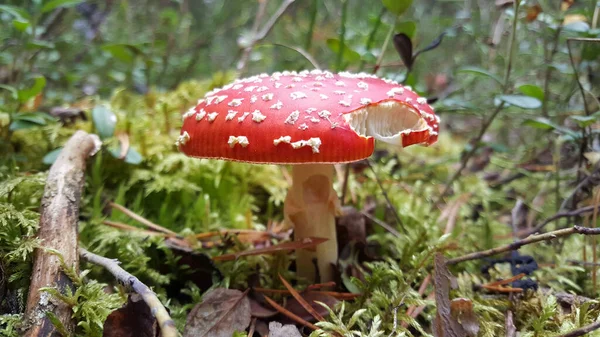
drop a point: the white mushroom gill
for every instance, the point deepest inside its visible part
(386, 121)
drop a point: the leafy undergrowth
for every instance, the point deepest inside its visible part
(191, 196)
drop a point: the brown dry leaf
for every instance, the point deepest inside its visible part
(462, 311)
(445, 323)
(132, 320)
(220, 314)
(566, 4)
(533, 12)
(306, 243)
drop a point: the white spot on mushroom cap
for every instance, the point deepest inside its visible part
(277, 105)
(345, 103)
(303, 126)
(230, 115)
(243, 116)
(293, 117)
(183, 138)
(211, 116)
(200, 115)
(297, 95)
(421, 100)
(395, 91)
(235, 102)
(253, 99)
(257, 116)
(242, 140)
(188, 113)
(262, 88)
(340, 84)
(310, 110)
(365, 101)
(339, 92)
(362, 85)
(314, 143)
(282, 139)
(323, 97)
(237, 86)
(324, 114)
(250, 88)
(277, 85)
(267, 97)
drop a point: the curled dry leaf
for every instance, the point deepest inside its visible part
(220, 314)
(462, 311)
(132, 320)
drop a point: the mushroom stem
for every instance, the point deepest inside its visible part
(311, 206)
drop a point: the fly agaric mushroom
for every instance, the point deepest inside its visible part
(313, 118)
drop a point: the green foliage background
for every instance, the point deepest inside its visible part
(146, 62)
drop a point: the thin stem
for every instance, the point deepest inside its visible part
(490, 120)
(340, 55)
(548, 74)
(387, 198)
(311, 27)
(372, 34)
(388, 37)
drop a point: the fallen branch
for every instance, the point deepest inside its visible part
(582, 331)
(560, 215)
(166, 324)
(520, 243)
(59, 214)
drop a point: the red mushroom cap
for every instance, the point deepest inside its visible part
(305, 117)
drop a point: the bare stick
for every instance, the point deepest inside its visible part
(531, 239)
(582, 331)
(166, 324)
(58, 232)
(141, 219)
(560, 215)
(260, 35)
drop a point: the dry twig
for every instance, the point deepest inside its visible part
(58, 232)
(520, 243)
(166, 324)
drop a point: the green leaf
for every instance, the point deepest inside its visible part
(22, 125)
(123, 52)
(14, 92)
(532, 91)
(584, 121)
(408, 27)
(540, 123)
(19, 13)
(348, 55)
(53, 4)
(37, 87)
(397, 6)
(51, 156)
(32, 117)
(481, 72)
(521, 101)
(104, 121)
(20, 24)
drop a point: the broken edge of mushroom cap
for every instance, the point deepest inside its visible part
(393, 122)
